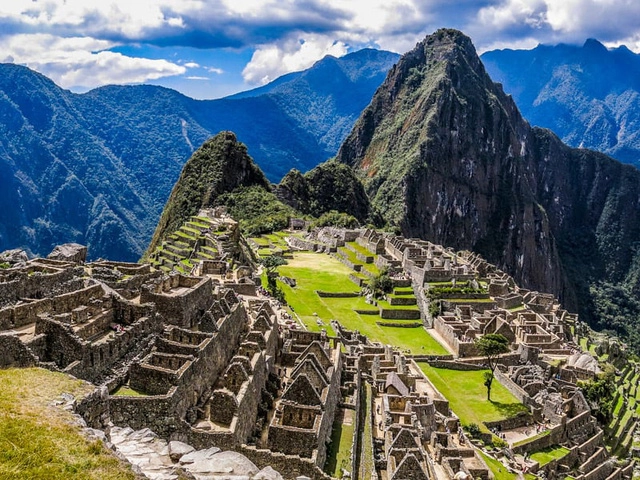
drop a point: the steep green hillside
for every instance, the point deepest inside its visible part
(329, 186)
(219, 166)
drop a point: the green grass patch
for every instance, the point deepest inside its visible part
(125, 391)
(349, 255)
(549, 454)
(403, 291)
(38, 440)
(467, 395)
(360, 249)
(387, 306)
(261, 241)
(500, 472)
(314, 271)
(339, 454)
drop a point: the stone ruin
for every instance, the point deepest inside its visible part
(201, 357)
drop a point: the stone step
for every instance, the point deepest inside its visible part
(599, 456)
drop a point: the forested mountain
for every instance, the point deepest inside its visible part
(97, 168)
(445, 155)
(589, 95)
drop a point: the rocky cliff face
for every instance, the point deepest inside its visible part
(445, 155)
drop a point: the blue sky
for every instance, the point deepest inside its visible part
(209, 49)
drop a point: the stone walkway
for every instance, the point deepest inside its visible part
(158, 459)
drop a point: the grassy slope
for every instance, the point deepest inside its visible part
(313, 272)
(467, 395)
(38, 441)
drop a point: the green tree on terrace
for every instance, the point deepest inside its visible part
(271, 264)
(491, 346)
(381, 284)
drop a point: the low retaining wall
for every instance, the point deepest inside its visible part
(400, 314)
(406, 324)
(323, 294)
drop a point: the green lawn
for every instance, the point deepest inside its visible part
(339, 455)
(548, 454)
(467, 395)
(358, 248)
(313, 272)
(39, 441)
(500, 472)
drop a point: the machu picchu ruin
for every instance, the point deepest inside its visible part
(362, 364)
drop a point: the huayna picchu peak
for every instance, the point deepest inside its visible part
(445, 155)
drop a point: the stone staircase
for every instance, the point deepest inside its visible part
(193, 241)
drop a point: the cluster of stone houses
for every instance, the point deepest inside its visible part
(207, 360)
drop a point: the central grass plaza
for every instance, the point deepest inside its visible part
(313, 272)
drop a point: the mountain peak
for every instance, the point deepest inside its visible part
(219, 166)
(593, 45)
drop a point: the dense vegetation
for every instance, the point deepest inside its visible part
(219, 166)
(258, 210)
(331, 186)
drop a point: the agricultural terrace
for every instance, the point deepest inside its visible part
(467, 395)
(313, 272)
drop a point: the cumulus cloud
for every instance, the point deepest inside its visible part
(550, 21)
(82, 62)
(271, 61)
(289, 35)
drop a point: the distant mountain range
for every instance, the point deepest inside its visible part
(97, 168)
(589, 96)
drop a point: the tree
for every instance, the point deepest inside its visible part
(491, 346)
(271, 264)
(381, 284)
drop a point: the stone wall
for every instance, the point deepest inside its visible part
(94, 408)
(393, 314)
(515, 389)
(554, 437)
(289, 466)
(164, 414)
(13, 353)
(184, 309)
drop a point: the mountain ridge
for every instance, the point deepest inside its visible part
(588, 95)
(445, 155)
(96, 168)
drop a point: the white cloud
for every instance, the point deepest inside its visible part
(82, 62)
(271, 61)
(552, 21)
(195, 77)
(285, 35)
